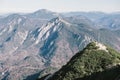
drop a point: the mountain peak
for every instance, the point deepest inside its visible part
(101, 46)
(60, 19)
(98, 46)
(94, 59)
(43, 14)
(43, 11)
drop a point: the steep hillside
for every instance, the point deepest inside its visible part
(95, 62)
(43, 40)
(19, 55)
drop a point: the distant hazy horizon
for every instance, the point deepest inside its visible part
(27, 6)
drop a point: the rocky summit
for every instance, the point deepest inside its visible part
(95, 62)
(38, 43)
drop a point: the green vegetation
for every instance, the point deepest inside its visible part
(89, 61)
(109, 74)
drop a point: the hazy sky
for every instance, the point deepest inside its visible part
(59, 5)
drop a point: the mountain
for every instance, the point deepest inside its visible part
(104, 20)
(111, 21)
(93, 16)
(42, 41)
(94, 62)
(43, 14)
(18, 50)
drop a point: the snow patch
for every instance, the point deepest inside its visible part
(10, 28)
(45, 30)
(47, 34)
(3, 31)
(23, 35)
(3, 73)
(19, 20)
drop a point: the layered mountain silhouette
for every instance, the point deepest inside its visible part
(42, 41)
(94, 62)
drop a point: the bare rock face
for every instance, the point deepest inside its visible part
(32, 42)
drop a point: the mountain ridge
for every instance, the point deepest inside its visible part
(30, 43)
(82, 65)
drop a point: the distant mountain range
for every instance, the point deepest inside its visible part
(104, 20)
(94, 62)
(35, 42)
